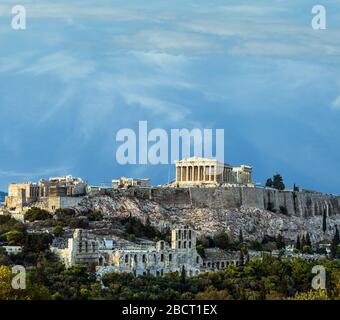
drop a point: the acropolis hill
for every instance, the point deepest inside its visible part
(205, 195)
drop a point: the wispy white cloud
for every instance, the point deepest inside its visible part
(172, 111)
(64, 65)
(245, 9)
(173, 42)
(336, 103)
(9, 64)
(36, 173)
(72, 10)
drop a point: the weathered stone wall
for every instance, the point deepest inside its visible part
(53, 203)
(301, 204)
(67, 202)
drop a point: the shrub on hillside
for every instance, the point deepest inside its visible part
(35, 214)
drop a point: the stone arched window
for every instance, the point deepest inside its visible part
(189, 244)
(170, 257)
(179, 244)
(144, 258)
(126, 258)
(184, 244)
(162, 257)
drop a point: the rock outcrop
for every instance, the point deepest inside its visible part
(255, 222)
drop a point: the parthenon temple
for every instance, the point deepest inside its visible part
(204, 171)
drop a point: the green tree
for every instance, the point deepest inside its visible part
(256, 245)
(270, 207)
(336, 236)
(240, 237)
(95, 216)
(6, 291)
(63, 213)
(278, 182)
(35, 213)
(296, 188)
(335, 243)
(308, 240)
(298, 243)
(200, 250)
(58, 231)
(275, 182)
(211, 293)
(280, 243)
(221, 239)
(14, 238)
(183, 275)
(241, 258)
(37, 242)
(269, 183)
(307, 249)
(324, 221)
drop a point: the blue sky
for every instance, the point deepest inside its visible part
(82, 70)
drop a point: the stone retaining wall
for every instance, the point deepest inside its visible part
(301, 203)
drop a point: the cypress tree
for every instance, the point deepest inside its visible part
(336, 236)
(278, 182)
(303, 241)
(298, 243)
(280, 242)
(183, 275)
(241, 258)
(240, 236)
(335, 242)
(269, 183)
(308, 241)
(324, 221)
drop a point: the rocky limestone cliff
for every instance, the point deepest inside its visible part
(254, 222)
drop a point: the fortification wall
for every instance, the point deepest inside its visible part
(297, 203)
